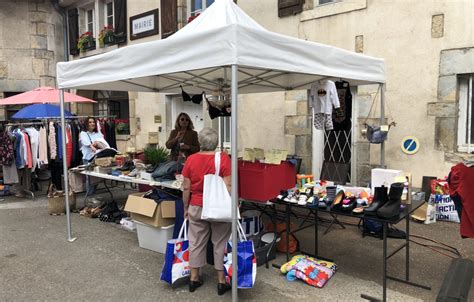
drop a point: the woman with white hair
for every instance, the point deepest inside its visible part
(196, 166)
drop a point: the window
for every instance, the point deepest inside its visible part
(197, 6)
(113, 105)
(109, 14)
(90, 20)
(466, 114)
(224, 131)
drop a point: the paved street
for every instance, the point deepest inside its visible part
(105, 262)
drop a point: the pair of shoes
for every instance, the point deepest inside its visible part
(391, 209)
(193, 285)
(380, 198)
(222, 288)
(302, 200)
(337, 202)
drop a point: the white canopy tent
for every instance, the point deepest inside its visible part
(222, 43)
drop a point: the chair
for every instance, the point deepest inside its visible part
(337, 172)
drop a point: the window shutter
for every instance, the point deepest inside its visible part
(73, 30)
(169, 18)
(289, 7)
(120, 18)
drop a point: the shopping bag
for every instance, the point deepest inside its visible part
(217, 204)
(177, 257)
(445, 208)
(246, 261)
(252, 222)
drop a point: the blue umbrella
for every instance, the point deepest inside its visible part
(37, 111)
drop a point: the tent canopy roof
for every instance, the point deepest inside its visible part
(199, 57)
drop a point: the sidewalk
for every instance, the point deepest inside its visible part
(105, 262)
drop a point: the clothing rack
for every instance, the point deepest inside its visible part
(75, 117)
(24, 123)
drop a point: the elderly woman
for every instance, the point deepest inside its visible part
(183, 139)
(198, 165)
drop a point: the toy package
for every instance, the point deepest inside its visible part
(310, 270)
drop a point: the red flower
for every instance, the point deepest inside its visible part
(191, 18)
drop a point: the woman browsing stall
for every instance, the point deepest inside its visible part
(91, 142)
(183, 140)
(195, 168)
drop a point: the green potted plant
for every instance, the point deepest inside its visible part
(106, 36)
(86, 42)
(156, 155)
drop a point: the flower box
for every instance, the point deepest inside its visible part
(89, 45)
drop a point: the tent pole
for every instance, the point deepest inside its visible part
(382, 122)
(66, 180)
(234, 193)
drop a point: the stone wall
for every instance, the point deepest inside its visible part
(31, 43)
(453, 62)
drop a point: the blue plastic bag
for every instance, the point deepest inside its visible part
(246, 261)
(177, 258)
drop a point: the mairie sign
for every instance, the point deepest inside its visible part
(410, 145)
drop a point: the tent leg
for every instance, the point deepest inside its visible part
(382, 122)
(234, 191)
(66, 180)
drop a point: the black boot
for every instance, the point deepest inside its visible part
(392, 208)
(380, 198)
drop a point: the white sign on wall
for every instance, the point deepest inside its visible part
(143, 25)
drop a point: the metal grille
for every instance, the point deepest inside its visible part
(338, 149)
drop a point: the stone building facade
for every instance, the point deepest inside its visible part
(427, 47)
(31, 43)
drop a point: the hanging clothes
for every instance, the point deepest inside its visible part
(34, 145)
(19, 150)
(10, 174)
(323, 97)
(6, 149)
(43, 147)
(29, 156)
(52, 141)
(76, 154)
(110, 135)
(462, 184)
(343, 121)
(68, 146)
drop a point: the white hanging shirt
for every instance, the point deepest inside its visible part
(323, 96)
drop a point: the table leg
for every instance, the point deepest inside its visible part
(407, 254)
(287, 232)
(316, 236)
(108, 190)
(384, 267)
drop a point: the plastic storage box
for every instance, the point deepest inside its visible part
(262, 182)
(152, 238)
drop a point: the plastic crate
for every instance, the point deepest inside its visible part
(262, 182)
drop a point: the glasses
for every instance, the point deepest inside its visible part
(183, 119)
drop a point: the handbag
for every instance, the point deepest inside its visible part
(56, 201)
(176, 264)
(216, 201)
(246, 261)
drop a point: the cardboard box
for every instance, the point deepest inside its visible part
(384, 177)
(149, 212)
(155, 239)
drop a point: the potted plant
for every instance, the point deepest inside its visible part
(123, 126)
(86, 42)
(156, 156)
(106, 36)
